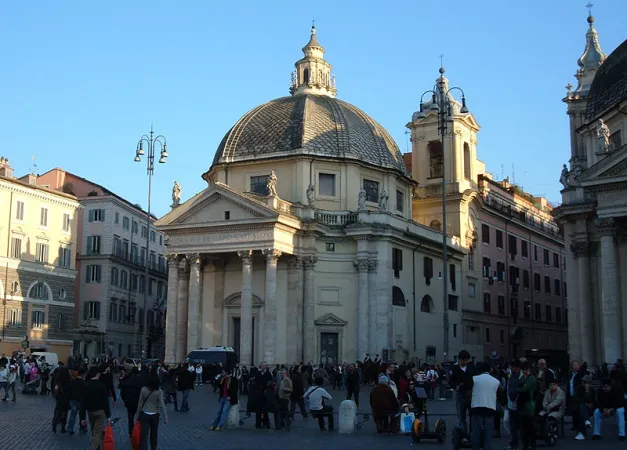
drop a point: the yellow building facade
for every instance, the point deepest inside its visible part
(37, 265)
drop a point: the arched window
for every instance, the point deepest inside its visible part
(426, 305)
(467, 164)
(306, 75)
(398, 298)
(39, 292)
(435, 159)
(436, 225)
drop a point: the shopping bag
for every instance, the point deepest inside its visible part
(108, 443)
(136, 436)
(407, 421)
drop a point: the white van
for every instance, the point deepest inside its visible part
(46, 357)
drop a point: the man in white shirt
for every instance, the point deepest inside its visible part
(316, 395)
(483, 407)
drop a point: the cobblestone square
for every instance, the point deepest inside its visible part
(27, 424)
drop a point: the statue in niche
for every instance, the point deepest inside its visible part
(176, 194)
(383, 201)
(603, 136)
(310, 194)
(565, 177)
(272, 179)
(361, 200)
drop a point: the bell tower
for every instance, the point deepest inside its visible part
(313, 73)
(458, 155)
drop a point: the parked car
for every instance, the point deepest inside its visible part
(128, 364)
(46, 357)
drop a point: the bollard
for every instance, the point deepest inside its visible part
(233, 419)
(348, 413)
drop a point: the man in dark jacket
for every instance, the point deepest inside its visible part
(353, 381)
(106, 378)
(296, 396)
(185, 381)
(76, 391)
(130, 389)
(461, 379)
(96, 404)
(256, 397)
(610, 401)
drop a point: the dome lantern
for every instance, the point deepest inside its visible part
(590, 60)
(313, 73)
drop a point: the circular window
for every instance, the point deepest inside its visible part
(15, 287)
(62, 294)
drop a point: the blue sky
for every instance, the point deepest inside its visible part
(82, 81)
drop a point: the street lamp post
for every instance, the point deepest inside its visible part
(151, 141)
(442, 106)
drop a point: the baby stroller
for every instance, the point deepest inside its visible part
(31, 387)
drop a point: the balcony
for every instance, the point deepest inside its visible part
(336, 218)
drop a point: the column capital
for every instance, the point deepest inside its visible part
(580, 248)
(362, 264)
(309, 262)
(183, 267)
(246, 256)
(193, 258)
(372, 265)
(295, 263)
(606, 227)
(172, 258)
(271, 254)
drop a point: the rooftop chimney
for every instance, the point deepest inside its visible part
(5, 169)
(32, 179)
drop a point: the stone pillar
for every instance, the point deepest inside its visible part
(170, 322)
(373, 345)
(309, 335)
(384, 296)
(581, 251)
(246, 312)
(181, 311)
(269, 353)
(363, 307)
(611, 320)
(193, 308)
(573, 303)
(294, 310)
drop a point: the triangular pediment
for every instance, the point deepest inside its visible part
(613, 165)
(210, 206)
(330, 319)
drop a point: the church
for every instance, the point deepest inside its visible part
(594, 204)
(302, 246)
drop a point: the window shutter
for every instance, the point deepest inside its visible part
(98, 273)
(90, 244)
(91, 215)
(33, 319)
(60, 262)
(85, 311)
(97, 310)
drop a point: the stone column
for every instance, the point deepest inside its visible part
(373, 346)
(294, 310)
(586, 316)
(269, 353)
(363, 308)
(384, 297)
(170, 323)
(574, 305)
(246, 312)
(611, 320)
(309, 335)
(193, 308)
(181, 311)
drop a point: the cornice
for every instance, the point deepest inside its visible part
(204, 228)
(40, 193)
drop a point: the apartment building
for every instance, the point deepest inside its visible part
(116, 247)
(523, 309)
(38, 245)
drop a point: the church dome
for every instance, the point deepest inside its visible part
(309, 125)
(609, 87)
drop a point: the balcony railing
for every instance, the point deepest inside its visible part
(334, 219)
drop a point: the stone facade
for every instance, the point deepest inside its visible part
(303, 247)
(594, 204)
(37, 265)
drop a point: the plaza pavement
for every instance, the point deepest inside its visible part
(26, 424)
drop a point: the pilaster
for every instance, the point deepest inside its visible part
(363, 307)
(373, 347)
(580, 317)
(294, 310)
